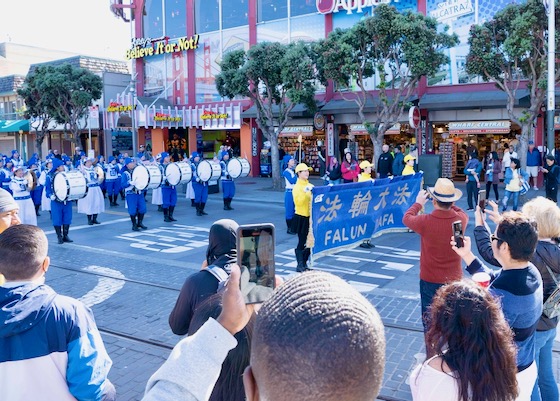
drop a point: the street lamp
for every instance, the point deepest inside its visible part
(549, 7)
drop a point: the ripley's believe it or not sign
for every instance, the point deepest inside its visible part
(358, 6)
(145, 47)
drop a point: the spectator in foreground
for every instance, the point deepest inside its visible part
(518, 286)
(50, 337)
(475, 354)
(8, 215)
(296, 353)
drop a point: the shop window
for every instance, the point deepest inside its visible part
(206, 56)
(153, 19)
(302, 7)
(175, 18)
(269, 10)
(207, 15)
(235, 13)
(154, 75)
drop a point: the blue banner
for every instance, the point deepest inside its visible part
(342, 216)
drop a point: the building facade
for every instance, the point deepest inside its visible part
(178, 45)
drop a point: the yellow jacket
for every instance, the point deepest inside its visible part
(302, 199)
(408, 170)
(364, 177)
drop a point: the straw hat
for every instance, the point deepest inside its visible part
(445, 191)
(302, 167)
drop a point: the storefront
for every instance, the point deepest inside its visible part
(306, 151)
(14, 135)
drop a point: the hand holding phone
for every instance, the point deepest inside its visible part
(255, 256)
(482, 199)
(458, 234)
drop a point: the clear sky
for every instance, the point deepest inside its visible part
(86, 27)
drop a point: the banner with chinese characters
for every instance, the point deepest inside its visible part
(342, 216)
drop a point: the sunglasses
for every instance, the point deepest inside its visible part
(494, 238)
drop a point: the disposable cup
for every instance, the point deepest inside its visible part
(482, 279)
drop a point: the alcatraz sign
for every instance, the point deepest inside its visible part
(334, 6)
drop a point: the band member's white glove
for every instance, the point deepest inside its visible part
(308, 188)
(53, 197)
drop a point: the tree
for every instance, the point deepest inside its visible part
(275, 77)
(69, 91)
(511, 51)
(397, 49)
(38, 99)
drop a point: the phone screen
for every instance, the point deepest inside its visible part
(255, 256)
(458, 233)
(482, 199)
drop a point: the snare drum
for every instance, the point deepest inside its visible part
(208, 170)
(69, 185)
(147, 176)
(238, 167)
(178, 173)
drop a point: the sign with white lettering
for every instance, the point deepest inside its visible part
(145, 47)
(451, 9)
(342, 216)
(304, 130)
(358, 6)
(480, 127)
(330, 139)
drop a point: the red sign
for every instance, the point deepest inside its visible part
(414, 117)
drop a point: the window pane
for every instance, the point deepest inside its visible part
(235, 13)
(207, 14)
(176, 18)
(269, 10)
(153, 19)
(301, 7)
(206, 60)
(154, 75)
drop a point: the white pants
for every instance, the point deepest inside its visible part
(526, 381)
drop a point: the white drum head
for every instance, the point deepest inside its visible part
(208, 170)
(233, 168)
(147, 177)
(172, 173)
(245, 166)
(68, 186)
(186, 172)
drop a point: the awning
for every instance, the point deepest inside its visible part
(296, 130)
(340, 106)
(472, 100)
(360, 129)
(14, 125)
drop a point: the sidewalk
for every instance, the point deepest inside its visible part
(400, 310)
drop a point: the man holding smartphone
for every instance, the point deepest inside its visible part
(439, 264)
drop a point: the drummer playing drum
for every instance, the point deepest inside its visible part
(228, 186)
(61, 212)
(20, 188)
(134, 198)
(200, 187)
(168, 192)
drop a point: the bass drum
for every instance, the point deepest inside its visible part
(147, 176)
(69, 185)
(238, 167)
(208, 170)
(178, 173)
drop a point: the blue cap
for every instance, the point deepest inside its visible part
(111, 158)
(163, 155)
(65, 159)
(222, 154)
(14, 152)
(195, 154)
(56, 163)
(128, 160)
(531, 142)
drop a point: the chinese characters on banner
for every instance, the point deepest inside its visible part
(342, 216)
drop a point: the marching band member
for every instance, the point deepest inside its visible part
(134, 198)
(5, 176)
(189, 194)
(290, 179)
(168, 192)
(42, 180)
(200, 187)
(365, 175)
(61, 212)
(228, 186)
(37, 192)
(17, 161)
(157, 197)
(112, 181)
(122, 167)
(67, 163)
(101, 163)
(93, 203)
(20, 190)
(302, 201)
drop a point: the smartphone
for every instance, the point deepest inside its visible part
(482, 199)
(458, 233)
(255, 257)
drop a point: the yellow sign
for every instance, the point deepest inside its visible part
(166, 117)
(209, 115)
(145, 47)
(118, 107)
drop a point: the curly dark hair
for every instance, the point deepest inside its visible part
(469, 331)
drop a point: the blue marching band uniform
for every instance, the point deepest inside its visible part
(112, 180)
(290, 179)
(168, 192)
(228, 186)
(135, 201)
(200, 187)
(61, 212)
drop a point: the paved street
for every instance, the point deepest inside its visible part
(131, 279)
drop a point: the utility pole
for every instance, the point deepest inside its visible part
(551, 106)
